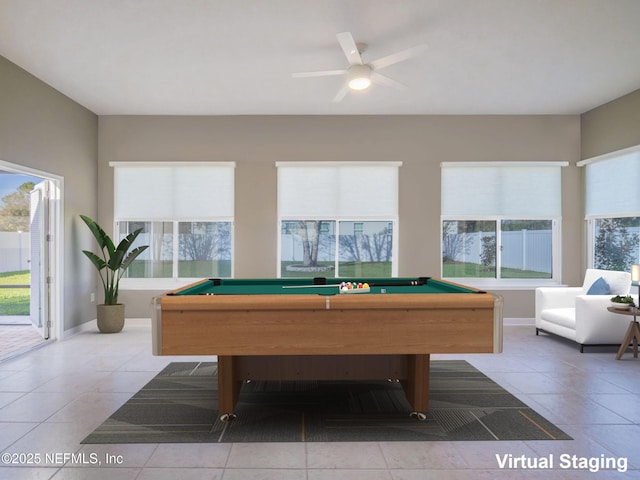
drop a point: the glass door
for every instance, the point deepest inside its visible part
(39, 299)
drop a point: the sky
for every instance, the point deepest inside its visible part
(9, 183)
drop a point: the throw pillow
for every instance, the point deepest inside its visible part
(599, 287)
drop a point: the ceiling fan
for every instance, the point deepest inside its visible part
(360, 75)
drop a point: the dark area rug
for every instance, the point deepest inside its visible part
(180, 406)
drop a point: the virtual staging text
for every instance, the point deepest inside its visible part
(564, 461)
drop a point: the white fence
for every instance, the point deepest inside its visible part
(15, 251)
(527, 250)
(521, 250)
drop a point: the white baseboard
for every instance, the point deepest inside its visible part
(83, 327)
(91, 326)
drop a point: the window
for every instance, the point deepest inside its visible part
(501, 220)
(337, 219)
(185, 211)
(613, 209)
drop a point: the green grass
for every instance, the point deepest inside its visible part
(474, 270)
(467, 270)
(186, 269)
(513, 273)
(15, 301)
(22, 277)
(365, 269)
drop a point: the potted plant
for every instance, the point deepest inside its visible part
(111, 265)
(622, 302)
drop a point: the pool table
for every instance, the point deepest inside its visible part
(306, 329)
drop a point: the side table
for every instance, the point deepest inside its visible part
(633, 332)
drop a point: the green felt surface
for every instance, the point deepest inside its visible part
(293, 286)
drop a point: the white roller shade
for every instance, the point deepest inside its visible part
(613, 186)
(313, 190)
(173, 191)
(508, 190)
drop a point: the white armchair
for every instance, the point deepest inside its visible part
(574, 314)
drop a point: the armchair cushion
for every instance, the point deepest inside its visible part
(619, 282)
(565, 317)
(599, 287)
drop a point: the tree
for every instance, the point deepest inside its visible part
(455, 240)
(374, 247)
(204, 240)
(615, 248)
(15, 211)
(488, 255)
(309, 233)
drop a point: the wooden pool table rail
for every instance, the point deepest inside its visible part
(316, 325)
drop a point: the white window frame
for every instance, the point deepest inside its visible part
(590, 220)
(509, 283)
(591, 235)
(337, 220)
(174, 281)
(394, 220)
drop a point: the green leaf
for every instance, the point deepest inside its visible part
(115, 259)
(96, 260)
(99, 234)
(132, 256)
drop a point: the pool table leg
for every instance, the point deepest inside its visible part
(416, 387)
(228, 387)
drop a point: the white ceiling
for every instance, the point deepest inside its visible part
(235, 57)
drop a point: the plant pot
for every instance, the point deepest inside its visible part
(110, 318)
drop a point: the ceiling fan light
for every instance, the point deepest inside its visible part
(359, 77)
(359, 83)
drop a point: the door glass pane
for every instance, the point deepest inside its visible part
(365, 249)
(616, 243)
(526, 249)
(156, 261)
(307, 248)
(468, 248)
(204, 249)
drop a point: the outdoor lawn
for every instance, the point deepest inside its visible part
(14, 301)
(474, 270)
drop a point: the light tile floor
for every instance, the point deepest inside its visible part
(51, 398)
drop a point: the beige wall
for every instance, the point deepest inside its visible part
(255, 143)
(42, 129)
(612, 126)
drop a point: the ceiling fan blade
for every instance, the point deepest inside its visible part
(397, 57)
(349, 48)
(322, 73)
(341, 93)
(386, 81)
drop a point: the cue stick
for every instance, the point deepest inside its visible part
(334, 285)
